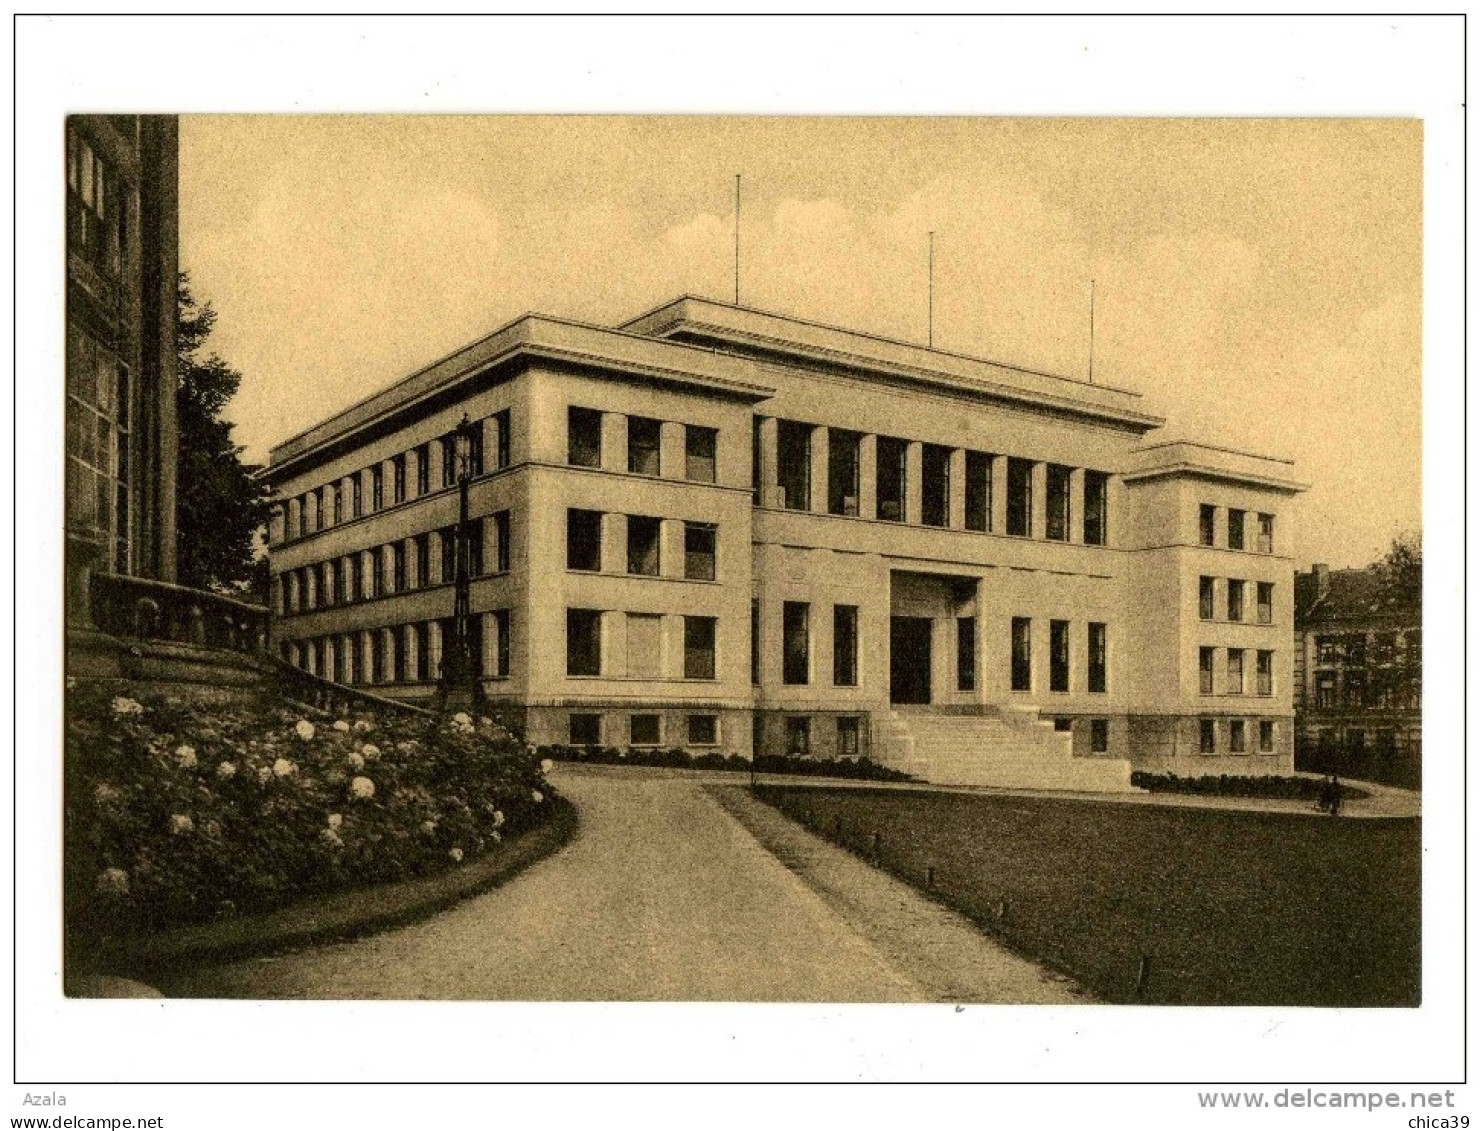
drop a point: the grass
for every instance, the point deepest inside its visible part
(1228, 785)
(1228, 908)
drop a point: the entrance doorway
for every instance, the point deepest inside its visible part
(909, 659)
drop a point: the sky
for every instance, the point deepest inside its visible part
(1259, 282)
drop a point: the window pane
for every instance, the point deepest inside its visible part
(1207, 518)
(703, 730)
(966, 653)
(583, 540)
(1096, 508)
(1020, 497)
(642, 545)
(842, 471)
(1058, 655)
(1057, 523)
(644, 445)
(699, 453)
(1235, 530)
(848, 736)
(582, 642)
(585, 437)
(1098, 664)
(890, 478)
(699, 540)
(1022, 654)
(978, 491)
(646, 730)
(698, 647)
(796, 658)
(585, 730)
(845, 645)
(794, 463)
(935, 486)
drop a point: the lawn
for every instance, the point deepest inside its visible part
(1156, 904)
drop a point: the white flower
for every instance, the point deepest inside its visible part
(496, 836)
(331, 838)
(341, 725)
(363, 725)
(212, 829)
(531, 749)
(71, 682)
(456, 854)
(335, 820)
(429, 827)
(498, 818)
(304, 729)
(546, 766)
(283, 768)
(483, 721)
(185, 757)
(104, 793)
(462, 719)
(370, 750)
(113, 881)
(122, 705)
(226, 770)
(362, 788)
(356, 760)
(537, 796)
(180, 824)
(264, 774)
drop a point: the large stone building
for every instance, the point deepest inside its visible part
(721, 529)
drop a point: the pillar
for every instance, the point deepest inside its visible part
(294, 601)
(956, 505)
(997, 523)
(331, 652)
(490, 541)
(613, 641)
(613, 543)
(311, 588)
(489, 425)
(1076, 505)
(818, 459)
(868, 476)
(387, 483)
(613, 441)
(413, 470)
(367, 649)
(295, 517)
(1039, 526)
(367, 573)
(672, 451)
(387, 654)
(387, 563)
(277, 526)
(913, 481)
(408, 547)
(434, 650)
(434, 558)
(409, 649)
(768, 460)
(671, 548)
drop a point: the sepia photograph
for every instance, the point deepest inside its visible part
(697, 556)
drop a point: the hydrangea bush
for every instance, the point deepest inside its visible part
(181, 812)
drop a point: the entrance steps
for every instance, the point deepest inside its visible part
(1007, 747)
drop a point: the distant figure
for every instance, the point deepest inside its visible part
(1331, 795)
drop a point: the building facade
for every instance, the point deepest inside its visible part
(1358, 677)
(122, 267)
(717, 528)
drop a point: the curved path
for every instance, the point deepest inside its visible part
(662, 896)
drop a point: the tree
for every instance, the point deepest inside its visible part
(221, 505)
(1400, 573)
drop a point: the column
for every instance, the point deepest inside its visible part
(1076, 505)
(613, 644)
(347, 496)
(369, 561)
(331, 650)
(413, 460)
(956, 513)
(409, 650)
(387, 654)
(490, 543)
(912, 482)
(490, 442)
(387, 483)
(293, 601)
(387, 563)
(277, 525)
(490, 645)
(1039, 525)
(613, 543)
(367, 655)
(768, 460)
(367, 491)
(868, 476)
(943, 660)
(408, 547)
(671, 548)
(819, 469)
(295, 517)
(672, 451)
(613, 441)
(434, 650)
(311, 587)
(998, 521)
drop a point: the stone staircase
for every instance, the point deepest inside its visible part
(1008, 747)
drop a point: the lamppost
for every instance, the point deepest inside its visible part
(461, 688)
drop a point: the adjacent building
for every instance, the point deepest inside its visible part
(722, 529)
(1358, 676)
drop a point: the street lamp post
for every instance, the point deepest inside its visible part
(461, 689)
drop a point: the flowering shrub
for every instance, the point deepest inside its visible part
(179, 812)
(854, 768)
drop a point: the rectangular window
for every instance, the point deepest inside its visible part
(1058, 655)
(377, 488)
(502, 531)
(584, 444)
(422, 544)
(1207, 736)
(357, 495)
(1205, 661)
(965, 653)
(1235, 599)
(1236, 740)
(583, 540)
(1063, 724)
(1266, 536)
(337, 503)
(845, 645)
(1264, 673)
(755, 642)
(644, 445)
(978, 491)
(698, 647)
(935, 485)
(703, 730)
(644, 645)
(377, 657)
(398, 479)
(646, 730)
(1235, 530)
(798, 736)
(794, 463)
(700, 446)
(398, 567)
(1022, 654)
(1266, 736)
(1099, 736)
(1058, 503)
(1098, 657)
(374, 570)
(449, 460)
(423, 470)
(1205, 598)
(847, 736)
(504, 421)
(585, 730)
(643, 536)
(398, 654)
(796, 645)
(842, 471)
(475, 450)
(424, 652)
(699, 541)
(889, 478)
(1325, 690)
(352, 577)
(1020, 497)
(448, 537)
(582, 642)
(756, 492)
(1265, 607)
(1096, 508)
(1207, 523)
(1235, 685)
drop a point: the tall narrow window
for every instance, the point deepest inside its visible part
(1266, 534)
(398, 479)
(1205, 598)
(1020, 497)
(845, 645)
(1058, 655)
(448, 538)
(644, 445)
(583, 540)
(794, 463)
(798, 735)
(757, 497)
(449, 460)
(398, 654)
(755, 642)
(584, 444)
(1022, 654)
(1099, 736)
(698, 647)
(352, 577)
(1098, 662)
(1236, 740)
(424, 652)
(1207, 524)
(398, 567)
(890, 478)
(475, 547)
(842, 471)
(935, 485)
(1266, 736)
(504, 421)
(1057, 519)
(337, 502)
(796, 644)
(423, 555)
(699, 539)
(978, 491)
(582, 642)
(1235, 530)
(1264, 609)
(965, 653)
(377, 487)
(357, 495)
(1205, 660)
(1235, 684)
(423, 469)
(503, 627)
(475, 450)
(1264, 673)
(503, 531)
(699, 453)
(1235, 599)
(1096, 508)
(1207, 736)
(643, 536)
(847, 736)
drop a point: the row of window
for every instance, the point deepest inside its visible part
(1099, 733)
(98, 410)
(429, 560)
(1235, 604)
(1231, 736)
(1384, 689)
(1355, 650)
(644, 445)
(332, 504)
(1237, 529)
(1058, 655)
(644, 544)
(406, 653)
(97, 207)
(1233, 683)
(583, 644)
(794, 453)
(644, 729)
